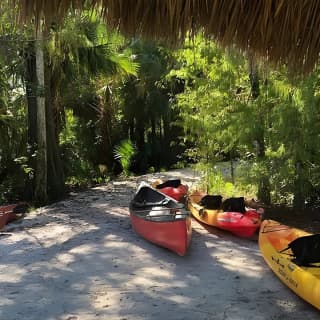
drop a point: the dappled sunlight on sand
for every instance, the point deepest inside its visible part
(80, 259)
(240, 263)
(12, 274)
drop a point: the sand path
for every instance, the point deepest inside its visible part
(79, 259)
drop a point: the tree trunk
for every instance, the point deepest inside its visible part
(254, 79)
(56, 178)
(41, 166)
(131, 129)
(105, 123)
(299, 197)
(232, 167)
(264, 184)
(31, 85)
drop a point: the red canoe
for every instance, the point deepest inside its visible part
(172, 188)
(10, 212)
(161, 220)
(243, 225)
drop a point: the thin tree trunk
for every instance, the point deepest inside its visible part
(131, 129)
(105, 123)
(232, 167)
(254, 79)
(264, 184)
(41, 167)
(31, 84)
(56, 177)
(299, 187)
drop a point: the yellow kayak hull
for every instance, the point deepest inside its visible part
(304, 281)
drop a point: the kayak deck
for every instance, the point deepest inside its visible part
(303, 280)
(244, 225)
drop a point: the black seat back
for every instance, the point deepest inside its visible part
(305, 249)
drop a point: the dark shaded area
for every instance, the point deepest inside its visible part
(307, 219)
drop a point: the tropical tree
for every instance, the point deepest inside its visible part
(85, 68)
(147, 113)
(212, 101)
(13, 160)
(82, 62)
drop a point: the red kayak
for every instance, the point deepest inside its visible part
(11, 212)
(161, 220)
(242, 224)
(173, 189)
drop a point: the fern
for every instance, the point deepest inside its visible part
(124, 152)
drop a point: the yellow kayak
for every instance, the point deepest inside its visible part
(274, 239)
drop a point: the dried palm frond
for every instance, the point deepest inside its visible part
(281, 30)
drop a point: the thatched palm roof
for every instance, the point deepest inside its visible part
(281, 30)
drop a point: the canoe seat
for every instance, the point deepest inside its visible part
(146, 204)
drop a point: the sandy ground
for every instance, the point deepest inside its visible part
(80, 259)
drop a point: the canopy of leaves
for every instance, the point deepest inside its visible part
(224, 122)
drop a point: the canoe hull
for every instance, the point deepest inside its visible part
(304, 281)
(7, 214)
(173, 235)
(244, 225)
(3, 219)
(160, 219)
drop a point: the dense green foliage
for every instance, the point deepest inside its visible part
(126, 106)
(271, 135)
